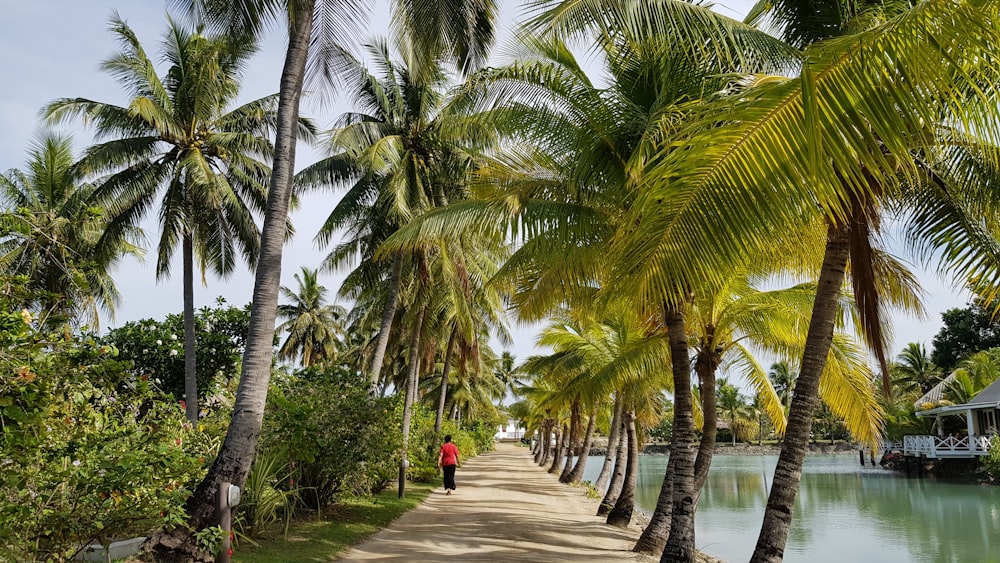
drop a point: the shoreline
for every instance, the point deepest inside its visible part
(747, 449)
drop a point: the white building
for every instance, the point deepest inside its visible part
(512, 430)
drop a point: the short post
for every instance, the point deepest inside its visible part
(861, 454)
(228, 498)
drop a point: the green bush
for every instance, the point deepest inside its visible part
(339, 437)
(991, 461)
(88, 453)
(156, 348)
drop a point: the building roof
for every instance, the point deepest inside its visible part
(936, 393)
(987, 397)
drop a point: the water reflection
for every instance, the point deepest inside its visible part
(843, 512)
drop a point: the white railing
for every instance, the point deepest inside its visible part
(946, 446)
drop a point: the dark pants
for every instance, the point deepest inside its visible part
(449, 476)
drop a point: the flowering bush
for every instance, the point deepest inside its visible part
(89, 452)
(156, 348)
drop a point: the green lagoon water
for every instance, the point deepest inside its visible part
(844, 513)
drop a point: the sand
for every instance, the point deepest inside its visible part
(506, 508)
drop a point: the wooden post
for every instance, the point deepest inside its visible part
(225, 522)
(861, 454)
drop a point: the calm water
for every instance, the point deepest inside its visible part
(843, 513)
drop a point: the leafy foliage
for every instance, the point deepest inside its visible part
(964, 332)
(89, 451)
(991, 461)
(156, 348)
(339, 437)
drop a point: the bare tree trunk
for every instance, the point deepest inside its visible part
(576, 474)
(609, 452)
(557, 459)
(780, 503)
(391, 302)
(680, 543)
(706, 366)
(232, 464)
(411, 394)
(621, 514)
(617, 474)
(444, 381)
(654, 535)
(543, 443)
(190, 338)
(574, 431)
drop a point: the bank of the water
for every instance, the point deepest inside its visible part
(844, 512)
(745, 449)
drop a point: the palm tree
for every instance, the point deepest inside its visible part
(913, 369)
(52, 233)
(731, 405)
(335, 20)
(176, 138)
(783, 379)
(313, 327)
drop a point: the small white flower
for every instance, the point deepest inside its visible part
(145, 350)
(159, 342)
(173, 337)
(76, 463)
(173, 352)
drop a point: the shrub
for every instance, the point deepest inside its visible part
(88, 452)
(156, 348)
(991, 461)
(338, 436)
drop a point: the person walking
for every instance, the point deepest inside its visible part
(448, 461)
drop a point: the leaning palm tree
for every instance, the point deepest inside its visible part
(52, 233)
(179, 142)
(335, 20)
(313, 326)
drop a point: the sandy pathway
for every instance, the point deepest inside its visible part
(506, 508)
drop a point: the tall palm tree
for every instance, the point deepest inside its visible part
(52, 232)
(313, 326)
(335, 20)
(731, 405)
(178, 141)
(783, 379)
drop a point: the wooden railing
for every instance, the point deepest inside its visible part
(946, 446)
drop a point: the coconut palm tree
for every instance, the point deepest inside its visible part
(783, 379)
(52, 232)
(913, 369)
(180, 142)
(732, 406)
(313, 327)
(335, 20)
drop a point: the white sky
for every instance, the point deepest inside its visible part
(51, 49)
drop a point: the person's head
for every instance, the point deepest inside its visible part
(447, 438)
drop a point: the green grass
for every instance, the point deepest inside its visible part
(346, 524)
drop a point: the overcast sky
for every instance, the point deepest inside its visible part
(51, 49)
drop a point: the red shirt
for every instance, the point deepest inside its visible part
(449, 454)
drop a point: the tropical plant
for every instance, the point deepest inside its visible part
(177, 140)
(53, 233)
(963, 332)
(913, 369)
(313, 326)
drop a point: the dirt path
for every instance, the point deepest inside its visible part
(506, 508)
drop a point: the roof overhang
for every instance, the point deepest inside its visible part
(952, 409)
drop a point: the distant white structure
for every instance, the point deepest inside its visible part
(509, 431)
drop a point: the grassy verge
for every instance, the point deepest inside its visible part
(346, 524)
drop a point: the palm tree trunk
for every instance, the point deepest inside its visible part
(574, 431)
(780, 503)
(190, 363)
(617, 474)
(232, 464)
(680, 543)
(621, 514)
(387, 315)
(706, 366)
(444, 381)
(546, 445)
(411, 393)
(654, 535)
(576, 474)
(557, 459)
(609, 451)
